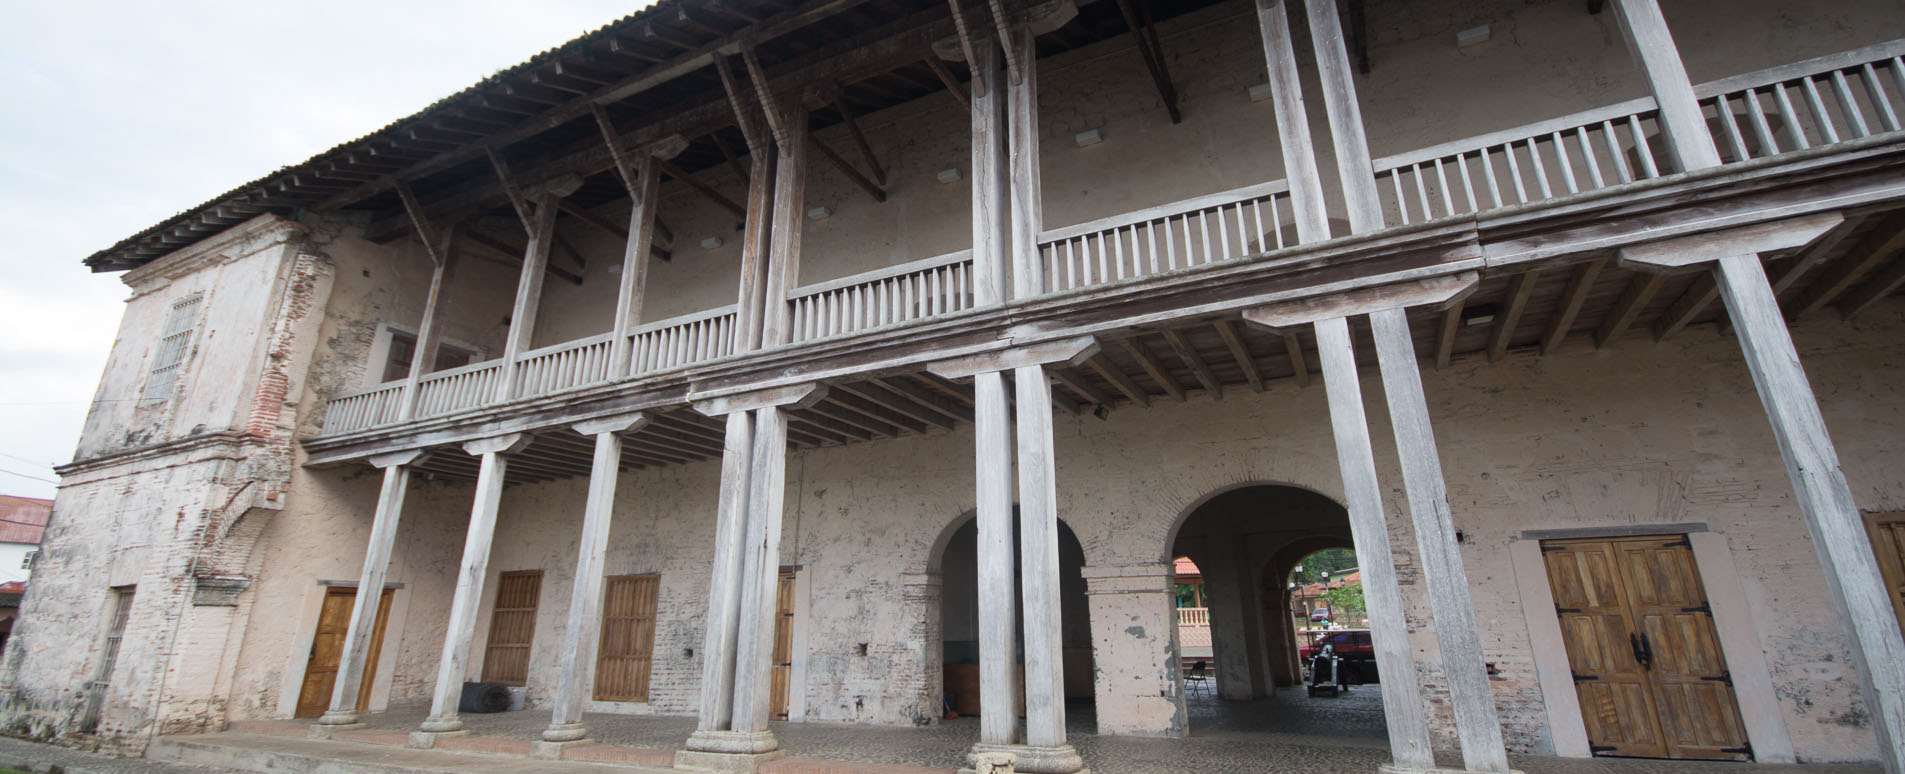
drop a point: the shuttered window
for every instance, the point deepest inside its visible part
(169, 357)
(512, 627)
(628, 638)
(109, 658)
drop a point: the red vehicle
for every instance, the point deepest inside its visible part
(1352, 646)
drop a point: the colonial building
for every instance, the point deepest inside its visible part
(805, 359)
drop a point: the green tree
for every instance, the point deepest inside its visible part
(1314, 567)
(1347, 600)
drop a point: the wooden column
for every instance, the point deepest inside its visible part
(754, 262)
(453, 666)
(1369, 531)
(1045, 751)
(760, 575)
(1838, 531)
(998, 611)
(1293, 123)
(790, 211)
(430, 330)
(644, 199)
(370, 586)
(990, 205)
(1028, 210)
(1470, 696)
(1346, 118)
(1812, 463)
(522, 316)
(583, 627)
(724, 590)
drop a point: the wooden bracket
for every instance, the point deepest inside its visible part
(516, 200)
(620, 423)
(798, 396)
(946, 77)
(1693, 252)
(860, 140)
(502, 444)
(846, 168)
(701, 188)
(743, 116)
(405, 457)
(1145, 33)
(1445, 289)
(966, 45)
(1065, 352)
(438, 253)
(764, 91)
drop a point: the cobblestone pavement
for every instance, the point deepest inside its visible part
(1291, 734)
(33, 756)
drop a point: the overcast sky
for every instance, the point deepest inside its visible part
(120, 114)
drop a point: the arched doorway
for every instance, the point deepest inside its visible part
(1244, 543)
(956, 561)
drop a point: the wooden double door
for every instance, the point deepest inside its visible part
(327, 648)
(1648, 668)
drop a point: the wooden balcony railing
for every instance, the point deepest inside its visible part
(1847, 96)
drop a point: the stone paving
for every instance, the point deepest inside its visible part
(34, 756)
(1291, 733)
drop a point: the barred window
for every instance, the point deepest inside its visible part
(169, 357)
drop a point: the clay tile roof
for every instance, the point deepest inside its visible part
(1186, 568)
(23, 519)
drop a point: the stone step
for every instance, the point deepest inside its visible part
(282, 754)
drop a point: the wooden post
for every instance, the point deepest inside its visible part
(1028, 211)
(1293, 124)
(370, 586)
(1346, 118)
(583, 626)
(522, 317)
(645, 198)
(760, 576)
(1470, 696)
(1046, 750)
(783, 267)
(724, 590)
(998, 611)
(749, 307)
(1812, 463)
(430, 331)
(990, 205)
(1838, 531)
(1369, 531)
(453, 667)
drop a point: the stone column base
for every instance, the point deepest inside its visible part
(325, 730)
(725, 763)
(742, 742)
(424, 740)
(1388, 768)
(552, 751)
(565, 732)
(1062, 759)
(988, 761)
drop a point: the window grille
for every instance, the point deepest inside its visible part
(109, 656)
(169, 357)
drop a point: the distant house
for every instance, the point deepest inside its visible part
(22, 522)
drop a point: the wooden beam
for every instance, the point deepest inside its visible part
(1445, 337)
(1884, 283)
(777, 118)
(1293, 346)
(946, 77)
(421, 223)
(734, 162)
(1135, 348)
(1145, 35)
(878, 410)
(1075, 382)
(1640, 290)
(951, 414)
(1886, 240)
(1519, 291)
(1808, 257)
(516, 200)
(512, 256)
(1580, 283)
(1227, 331)
(847, 415)
(712, 195)
(860, 140)
(917, 416)
(743, 115)
(944, 387)
(1701, 294)
(1195, 362)
(1119, 379)
(846, 168)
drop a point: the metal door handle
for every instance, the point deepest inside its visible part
(1643, 651)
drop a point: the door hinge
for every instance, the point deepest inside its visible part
(1703, 607)
(1578, 677)
(1677, 544)
(1723, 677)
(1601, 749)
(1745, 749)
(1559, 609)
(1547, 549)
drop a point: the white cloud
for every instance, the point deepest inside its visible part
(121, 114)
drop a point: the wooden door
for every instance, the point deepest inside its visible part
(783, 646)
(327, 648)
(627, 649)
(1888, 541)
(1648, 668)
(512, 627)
